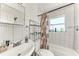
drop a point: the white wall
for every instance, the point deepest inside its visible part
(15, 32)
(31, 13)
(70, 38)
(9, 31)
(66, 38)
(76, 43)
(18, 33)
(6, 32)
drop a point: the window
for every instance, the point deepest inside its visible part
(57, 24)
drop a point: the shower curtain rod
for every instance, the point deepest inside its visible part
(56, 9)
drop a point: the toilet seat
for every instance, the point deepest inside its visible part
(45, 52)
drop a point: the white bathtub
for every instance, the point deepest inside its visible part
(23, 49)
(62, 51)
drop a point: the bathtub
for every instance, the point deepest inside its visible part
(25, 49)
(62, 51)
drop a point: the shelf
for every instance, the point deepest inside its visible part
(34, 25)
(36, 33)
(11, 24)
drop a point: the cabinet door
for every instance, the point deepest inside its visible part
(6, 14)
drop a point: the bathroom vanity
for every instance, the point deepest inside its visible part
(25, 49)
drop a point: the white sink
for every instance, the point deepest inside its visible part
(23, 49)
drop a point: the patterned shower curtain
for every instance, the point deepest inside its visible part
(43, 41)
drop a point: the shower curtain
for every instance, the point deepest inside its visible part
(43, 41)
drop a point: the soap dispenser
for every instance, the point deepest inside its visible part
(26, 39)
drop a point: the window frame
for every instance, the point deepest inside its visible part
(57, 24)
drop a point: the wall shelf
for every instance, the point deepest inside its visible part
(11, 24)
(32, 25)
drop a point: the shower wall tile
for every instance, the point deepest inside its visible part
(18, 33)
(69, 15)
(11, 32)
(76, 42)
(63, 38)
(6, 32)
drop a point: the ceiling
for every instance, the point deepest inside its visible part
(44, 7)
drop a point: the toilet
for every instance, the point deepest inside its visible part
(44, 52)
